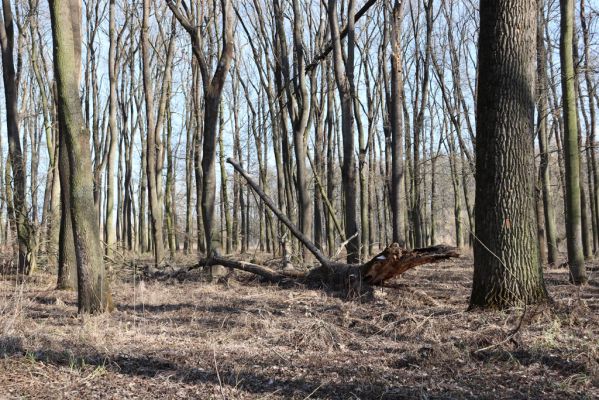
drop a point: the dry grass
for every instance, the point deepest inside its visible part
(186, 338)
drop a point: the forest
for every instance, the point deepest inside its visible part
(299, 199)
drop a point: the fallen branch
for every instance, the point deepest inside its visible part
(260, 270)
(391, 262)
(282, 217)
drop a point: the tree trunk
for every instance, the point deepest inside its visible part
(93, 288)
(542, 115)
(591, 90)
(344, 75)
(213, 86)
(571, 149)
(67, 259)
(396, 116)
(153, 142)
(109, 229)
(507, 271)
(223, 182)
(25, 235)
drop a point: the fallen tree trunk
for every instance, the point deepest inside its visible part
(352, 278)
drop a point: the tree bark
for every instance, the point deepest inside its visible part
(25, 235)
(344, 75)
(93, 287)
(542, 115)
(507, 271)
(110, 229)
(571, 149)
(396, 116)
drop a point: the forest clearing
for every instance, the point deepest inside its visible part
(182, 337)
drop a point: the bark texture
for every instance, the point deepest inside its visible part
(507, 271)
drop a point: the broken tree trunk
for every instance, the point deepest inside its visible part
(353, 278)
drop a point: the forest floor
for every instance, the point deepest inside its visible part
(244, 339)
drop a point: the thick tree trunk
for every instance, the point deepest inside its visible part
(507, 271)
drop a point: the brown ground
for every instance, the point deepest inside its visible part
(186, 338)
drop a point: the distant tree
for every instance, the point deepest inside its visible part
(396, 122)
(344, 75)
(571, 148)
(542, 117)
(110, 228)
(213, 84)
(25, 234)
(507, 269)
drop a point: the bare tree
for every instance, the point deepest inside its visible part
(26, 236)
(93, 287)
(344, 75)
(571, 146)
(213, 87)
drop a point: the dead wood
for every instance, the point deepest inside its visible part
(352, 278)
(267, 273)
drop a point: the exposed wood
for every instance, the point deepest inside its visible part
(391, 262)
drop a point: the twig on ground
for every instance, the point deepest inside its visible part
(220, 383)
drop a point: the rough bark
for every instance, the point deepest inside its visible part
(507, 271)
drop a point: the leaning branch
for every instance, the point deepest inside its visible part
(329, 47)
(282, 217)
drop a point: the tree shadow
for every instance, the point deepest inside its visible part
(10, 346)
(244, 378)
(558, 363)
